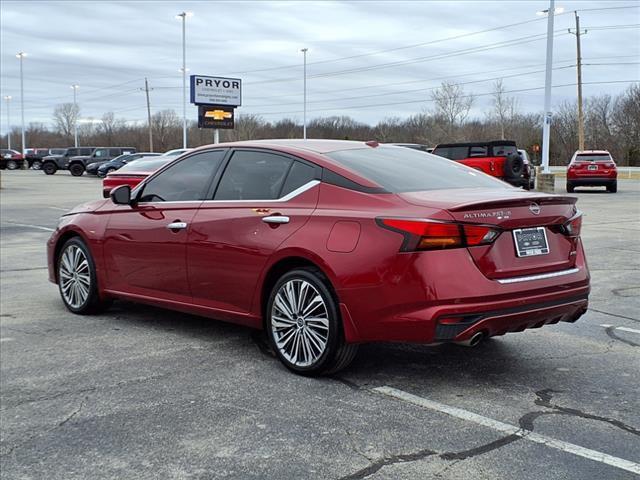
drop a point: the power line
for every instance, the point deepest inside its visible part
(464, 96)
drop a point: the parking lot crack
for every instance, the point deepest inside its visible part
(614, 315)
(15, 447)
(380, 463)
(545, 396)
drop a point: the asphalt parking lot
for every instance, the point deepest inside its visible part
(144, 393)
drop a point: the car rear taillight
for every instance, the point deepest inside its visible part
(573, 226)
(437, 235)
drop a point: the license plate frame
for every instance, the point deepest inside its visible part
(529, 242)
(592, 167)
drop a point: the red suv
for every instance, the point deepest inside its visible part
(592, 168)
(498, 158)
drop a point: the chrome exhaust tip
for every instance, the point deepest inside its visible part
(473, 341)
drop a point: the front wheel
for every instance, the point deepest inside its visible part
(77, 279)
(303, 324)
(36, 165)
(49, 168)
(76, 169)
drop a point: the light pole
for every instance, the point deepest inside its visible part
(546, 127)
(304, 110)
(184, 16)
(75, 117)
(7, 99)
(21, 55)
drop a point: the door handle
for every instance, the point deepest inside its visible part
(276, 219)
(177, 226)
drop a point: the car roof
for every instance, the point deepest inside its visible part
(310, 145)
(493, 143)
(603, 152)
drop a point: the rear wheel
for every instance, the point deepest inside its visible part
(36, 165)
(77, 280)
(570, 187)
(77, 169)
(612, 187)
(12, 165)
(49, 168)
(303, 324)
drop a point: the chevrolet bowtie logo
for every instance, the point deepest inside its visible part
(218, 114)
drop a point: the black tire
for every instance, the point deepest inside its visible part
(12, 165)
(513, 166)
(76, 169)
(337, 354)
(612, 187)
(49, 168)
(93, 303)
(570, 187)
(36, 165)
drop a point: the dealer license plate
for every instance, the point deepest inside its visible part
(593, 167)
(531, 241)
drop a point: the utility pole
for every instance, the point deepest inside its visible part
(304, 114)
(546, 128)
(577, 33)
(8, 100)
(75, 108)
(146, 89)
(25, 163)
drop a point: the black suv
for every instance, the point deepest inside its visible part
(77, 165)
(52, 163)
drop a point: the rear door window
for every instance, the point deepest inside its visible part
(253, 175)
(478, 151)
(452, 153)
(299, 175)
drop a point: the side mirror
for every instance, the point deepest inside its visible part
(121, 195)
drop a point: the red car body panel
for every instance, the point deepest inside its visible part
(115, 179)
(219, 266)
(493, 166)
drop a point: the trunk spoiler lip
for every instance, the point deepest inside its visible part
(514, 202)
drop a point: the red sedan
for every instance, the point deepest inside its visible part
(133, 173)
(327, 244)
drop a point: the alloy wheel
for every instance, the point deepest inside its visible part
(300, 323)
(75, 276)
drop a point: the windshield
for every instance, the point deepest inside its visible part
(145, 165)
(593, 157)
(398, 170)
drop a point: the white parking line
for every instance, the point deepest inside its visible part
(37, 227)
(6, 339)
(620, 463)
(622, 329)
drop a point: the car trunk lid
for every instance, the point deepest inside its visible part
(509, 210)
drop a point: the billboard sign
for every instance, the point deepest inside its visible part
(216, 91)
(215, 116)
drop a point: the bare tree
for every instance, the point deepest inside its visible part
(504, 107)
(65, 117)
(166, 127)
(452, 105)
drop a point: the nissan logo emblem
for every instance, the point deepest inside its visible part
(534, 208)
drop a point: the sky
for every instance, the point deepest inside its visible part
(369, 60)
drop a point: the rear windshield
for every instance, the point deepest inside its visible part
(398, 170)
(144, 165)
(593, 157)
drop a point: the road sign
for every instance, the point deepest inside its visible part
(215, 116)
(216, 91)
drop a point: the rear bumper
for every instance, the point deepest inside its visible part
(592, 181)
